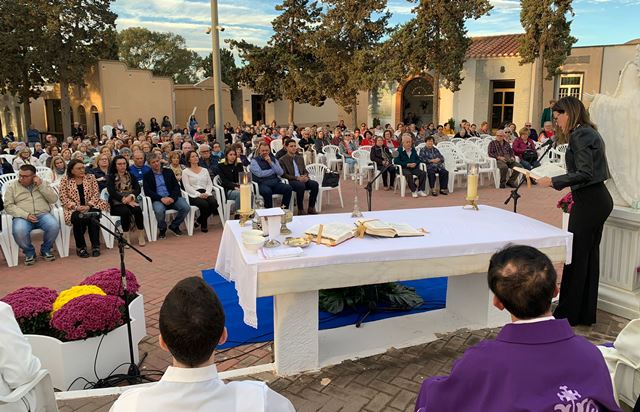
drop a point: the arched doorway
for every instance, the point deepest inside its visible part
(416, 101)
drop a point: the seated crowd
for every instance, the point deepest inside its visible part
(178, 168)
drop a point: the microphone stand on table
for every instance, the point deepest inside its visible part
(514, 193)
(133, 375)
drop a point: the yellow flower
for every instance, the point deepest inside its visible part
(69, 294)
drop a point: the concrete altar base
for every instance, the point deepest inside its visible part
(619, 291)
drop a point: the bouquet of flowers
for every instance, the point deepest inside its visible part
(110, 282)
(566, 203)
(93, 308)
(32, 308)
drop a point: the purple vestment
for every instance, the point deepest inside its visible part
(540, 366)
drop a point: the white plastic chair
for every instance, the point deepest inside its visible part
(475, 140)
(456, 140)
(8, 157)
(227, 205)
(316, 172)
(559, 153)
(454, 164)
(7, 178)
(487, 165)
(276, 145)
(5, 239)
(59, 243)
(111, 221)
(108, 130)
(446, 144)
(189, 220)
(331, 156)
(420, 146)
(365, 147)
(44, 173)
(45, 400)
(364, 164)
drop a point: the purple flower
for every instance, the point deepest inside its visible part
(110, 282)
(30, 301)
(566, 203)
(87, 316)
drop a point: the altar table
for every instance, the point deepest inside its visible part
(458, 245)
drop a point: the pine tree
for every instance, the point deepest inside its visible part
(348, 44)
(435, 42)
(547, 39)
(286, 68)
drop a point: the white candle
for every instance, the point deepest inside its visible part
(472, 187)
(245, 197)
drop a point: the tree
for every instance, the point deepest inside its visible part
(23, 41)
(547, 39)
(434, 41)
(287, 67)
(348, 41)
(164, 54)
(78, 32)
(227, 66)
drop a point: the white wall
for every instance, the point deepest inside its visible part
(614, 60)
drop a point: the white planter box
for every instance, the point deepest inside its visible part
(67, 361)
(565, 221)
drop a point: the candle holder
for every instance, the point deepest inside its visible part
(473, 173)
(286, 218)
(245, 216)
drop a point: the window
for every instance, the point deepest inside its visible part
(502, 105)
(570, 85)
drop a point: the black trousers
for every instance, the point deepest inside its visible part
(80, 226)
(422, 178)
(127, 214)
(579, 287)
(299, 188)
(207, 207)
(388, 176)
(443, 176)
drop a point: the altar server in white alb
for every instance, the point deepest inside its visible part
(18, 366)
(191, 326)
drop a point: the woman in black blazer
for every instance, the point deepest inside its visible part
(123, 191)
(586, 173)
(381, 156)
(230, 168)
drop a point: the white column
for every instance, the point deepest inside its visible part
(469, 298)
(619, 291)
(295, 327)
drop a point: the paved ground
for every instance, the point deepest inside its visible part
(176, 258)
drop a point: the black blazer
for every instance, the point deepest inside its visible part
(115, 197)
(229, 174)
(150, 188)
(585, 158)
(379, 154)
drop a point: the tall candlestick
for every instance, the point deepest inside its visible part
(472, 187)
(245, 198)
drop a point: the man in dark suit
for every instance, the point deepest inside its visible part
(295, 171)
(162, 187)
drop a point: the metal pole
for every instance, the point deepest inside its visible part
(217, 75)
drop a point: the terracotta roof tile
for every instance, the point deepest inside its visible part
(494, 46)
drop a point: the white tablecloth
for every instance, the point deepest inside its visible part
(453, 231)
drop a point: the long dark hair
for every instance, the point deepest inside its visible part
(112, 167)
(576, 113)
(71, 165)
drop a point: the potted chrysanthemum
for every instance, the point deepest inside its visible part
(81, 332)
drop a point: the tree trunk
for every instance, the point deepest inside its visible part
(291, 110)
(65, 105)
(538, 102)
(27, 113)
(436, 98)
(354, 114)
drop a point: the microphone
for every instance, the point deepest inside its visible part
(549, 142)
(395, 153)
(90, 215)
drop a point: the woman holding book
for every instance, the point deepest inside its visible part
(586, 172)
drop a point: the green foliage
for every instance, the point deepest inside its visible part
(348, 45)
(452, 123)
(392, 295)
(287, 67)
(547, 33)
(435, 40)
(164, 54)
(227, 66)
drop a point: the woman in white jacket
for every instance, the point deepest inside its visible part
(197, 183)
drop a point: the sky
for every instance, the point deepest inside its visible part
(596, 22)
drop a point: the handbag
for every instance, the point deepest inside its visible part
(331, 179)
(530, 156)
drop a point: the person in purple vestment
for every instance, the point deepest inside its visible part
(536, 363)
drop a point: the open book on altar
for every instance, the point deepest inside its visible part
(546, 170)
(388, 229)
(332, 233)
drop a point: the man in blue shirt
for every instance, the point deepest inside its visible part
(161, 186)
(138, 168)
(266, 171)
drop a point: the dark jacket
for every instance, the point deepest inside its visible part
(379, 155)
(115, 197)
(212, 166)
(585, 158)
(286, 162)
(403, 159)
(229, 175)
(149, 183)
(99, 174)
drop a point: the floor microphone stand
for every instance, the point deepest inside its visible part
(369, 186)
(514, 193)
(133, 375)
